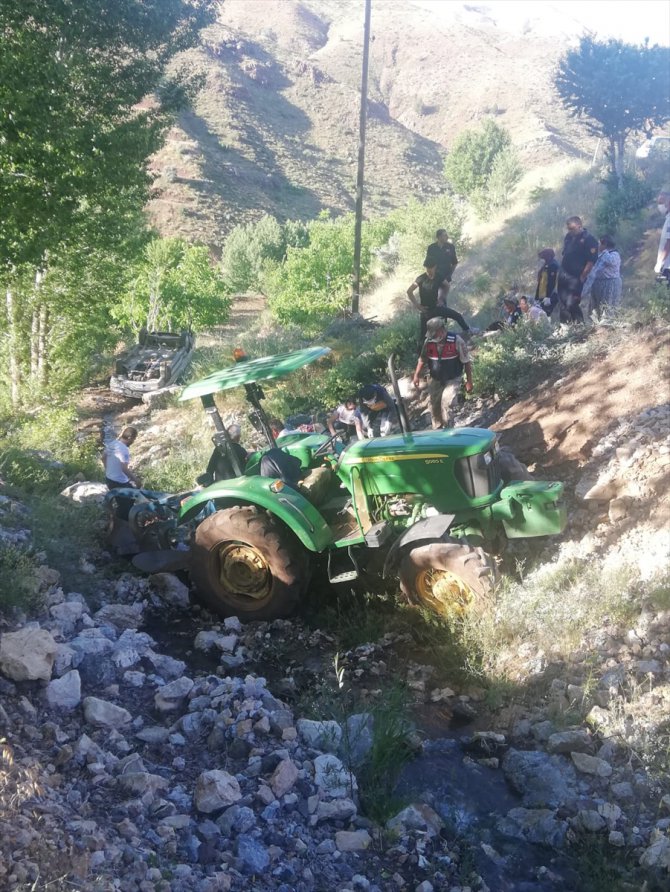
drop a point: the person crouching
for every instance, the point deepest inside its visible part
(447, 356)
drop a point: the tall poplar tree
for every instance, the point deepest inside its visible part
(84, 102)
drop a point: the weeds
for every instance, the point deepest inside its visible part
(602, 869)
(390, 750)
(19, 584)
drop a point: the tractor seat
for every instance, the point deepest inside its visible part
(317, 485)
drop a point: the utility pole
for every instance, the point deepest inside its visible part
(356, 278)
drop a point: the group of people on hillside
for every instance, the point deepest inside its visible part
(589, 271)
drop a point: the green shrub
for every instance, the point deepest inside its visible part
(390, 751)
(470, 162)
(314, 283)
(19, 585)
(175, 287)
(416, 224)
(505, 174)
(617, 204)
(513, 361)
(250, 249)
(39, 452)
(319, 388)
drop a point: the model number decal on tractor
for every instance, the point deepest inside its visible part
(371, 459)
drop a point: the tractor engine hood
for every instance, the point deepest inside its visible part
(423, 445)
(452, 470)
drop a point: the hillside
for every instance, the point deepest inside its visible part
(274, 128)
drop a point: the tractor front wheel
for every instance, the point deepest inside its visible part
(449, 577)
(244, 563)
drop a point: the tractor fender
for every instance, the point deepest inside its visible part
(430, 528)
(288, 505)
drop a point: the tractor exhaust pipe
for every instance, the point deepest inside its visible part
(399, 403)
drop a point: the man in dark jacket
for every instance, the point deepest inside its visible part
(580, 252)
(546, 293)
(376, 409)
(431, 302)
(442, 254)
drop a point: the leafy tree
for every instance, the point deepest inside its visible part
(617, 88)
(314, 282)
(416, 224)
(506, 171)
(469, 164)
(618, 204)
(72, 75)
(175, 287)
(84, 101)
(250, 249)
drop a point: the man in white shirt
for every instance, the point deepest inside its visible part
(346, 419)
(117, 461)
(663, 256)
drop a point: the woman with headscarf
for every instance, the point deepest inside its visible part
(546, 292)
(603, 284)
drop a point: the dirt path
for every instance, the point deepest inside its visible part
(245, 308)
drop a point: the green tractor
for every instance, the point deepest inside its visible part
(427, 507)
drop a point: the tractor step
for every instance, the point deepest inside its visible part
(343, 573)
(378, 534)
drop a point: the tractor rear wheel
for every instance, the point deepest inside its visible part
(244, 563)
(449, 577)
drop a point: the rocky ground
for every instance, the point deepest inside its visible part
(146, 745)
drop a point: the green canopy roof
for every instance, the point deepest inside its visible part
(249, 370)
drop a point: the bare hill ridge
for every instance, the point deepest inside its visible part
(275, 127)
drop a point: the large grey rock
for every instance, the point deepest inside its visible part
(253, 856)
(589, 820)
(236, 819)
(358, 738)
(137, 783)
(209, 639)
(593, 488)
(536, 825)
(215, 790)
(171, 696)
(170, 589)
(332, 778)
(104, 714)
(65, 692)
(325, 736)
(591, 765)
(335, 810)
(657, 855)
(154, 735)
(86, 492)
(418, 816)
(90, 642)
(284, 777)
(27, 655)
(570, 742)
(165, 666)
(121, 616)
(543, 781)
(68, 614)
(64, 657)
(352, 840)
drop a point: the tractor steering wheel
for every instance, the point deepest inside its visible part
(326, 447)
